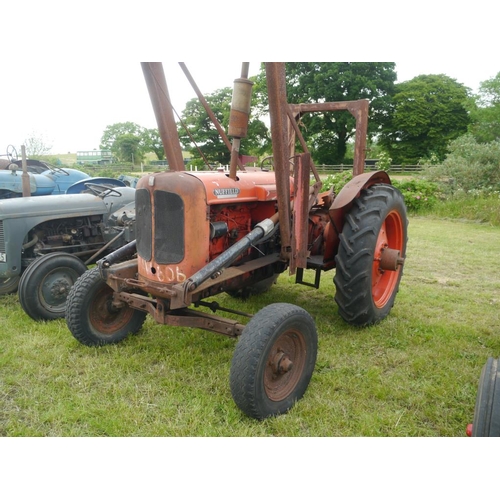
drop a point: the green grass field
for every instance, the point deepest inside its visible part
(414, 374)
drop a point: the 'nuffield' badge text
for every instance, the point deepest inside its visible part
(226, 192)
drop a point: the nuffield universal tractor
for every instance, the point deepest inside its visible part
(203, 233)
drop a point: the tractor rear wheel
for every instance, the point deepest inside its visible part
(92, 316)
(9, 285)
(274, 360)
(369, 262)
(45, 284)
(487, 411)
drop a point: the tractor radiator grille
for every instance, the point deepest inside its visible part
(144, 218)
(168, 228)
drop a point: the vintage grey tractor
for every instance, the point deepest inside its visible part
(47, 242)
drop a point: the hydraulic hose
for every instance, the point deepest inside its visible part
(116, 256)
(232, 253)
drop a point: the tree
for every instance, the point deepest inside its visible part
(202, 135)
(428, 112)
(485, 111)
(328, 134)
(152, 142)
(126, 148)
(118, 139)
(36, 145)
(112, 132)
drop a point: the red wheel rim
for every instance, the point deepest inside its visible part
(285, 365)
(391, 235)
(104, 317)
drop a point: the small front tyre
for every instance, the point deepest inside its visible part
(92, 316)
(274, 360)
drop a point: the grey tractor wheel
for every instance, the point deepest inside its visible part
(45, 284)
(9, 285)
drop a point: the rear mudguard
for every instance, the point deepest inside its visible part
(342, 204)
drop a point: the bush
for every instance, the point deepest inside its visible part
(384, 162)
(419, 194)
(337, 181)
(469, 166)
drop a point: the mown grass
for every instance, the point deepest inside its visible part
(414, 374)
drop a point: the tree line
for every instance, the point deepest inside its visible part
(411, 122)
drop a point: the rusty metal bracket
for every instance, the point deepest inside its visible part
(299, 278)
(159, 309)
(300, 213)
(358, 109)
(158, 92)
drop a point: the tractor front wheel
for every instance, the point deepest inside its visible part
(369, 262)
(274, 360)
(94, 318)
(45, 284)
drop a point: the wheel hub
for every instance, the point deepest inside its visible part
(281, 363)
(387, 258)
(390, 259)
(59, 289)
(284, 365)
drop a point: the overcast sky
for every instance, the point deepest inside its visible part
(65, 80)
(69, 104)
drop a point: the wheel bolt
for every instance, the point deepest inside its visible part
(281, 363)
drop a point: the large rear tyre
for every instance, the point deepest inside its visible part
(274, 360)
(45, 284)
(93, 318)
(369, 262)
(487, 411)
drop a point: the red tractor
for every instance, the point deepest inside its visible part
(201, 234)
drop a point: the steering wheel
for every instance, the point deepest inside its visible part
(270, 161)
(56, 169)
(12, 153)
(101, 189)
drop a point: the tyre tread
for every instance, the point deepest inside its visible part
(354, 257)
(77, 318)
(487, 410)
(247, 356)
